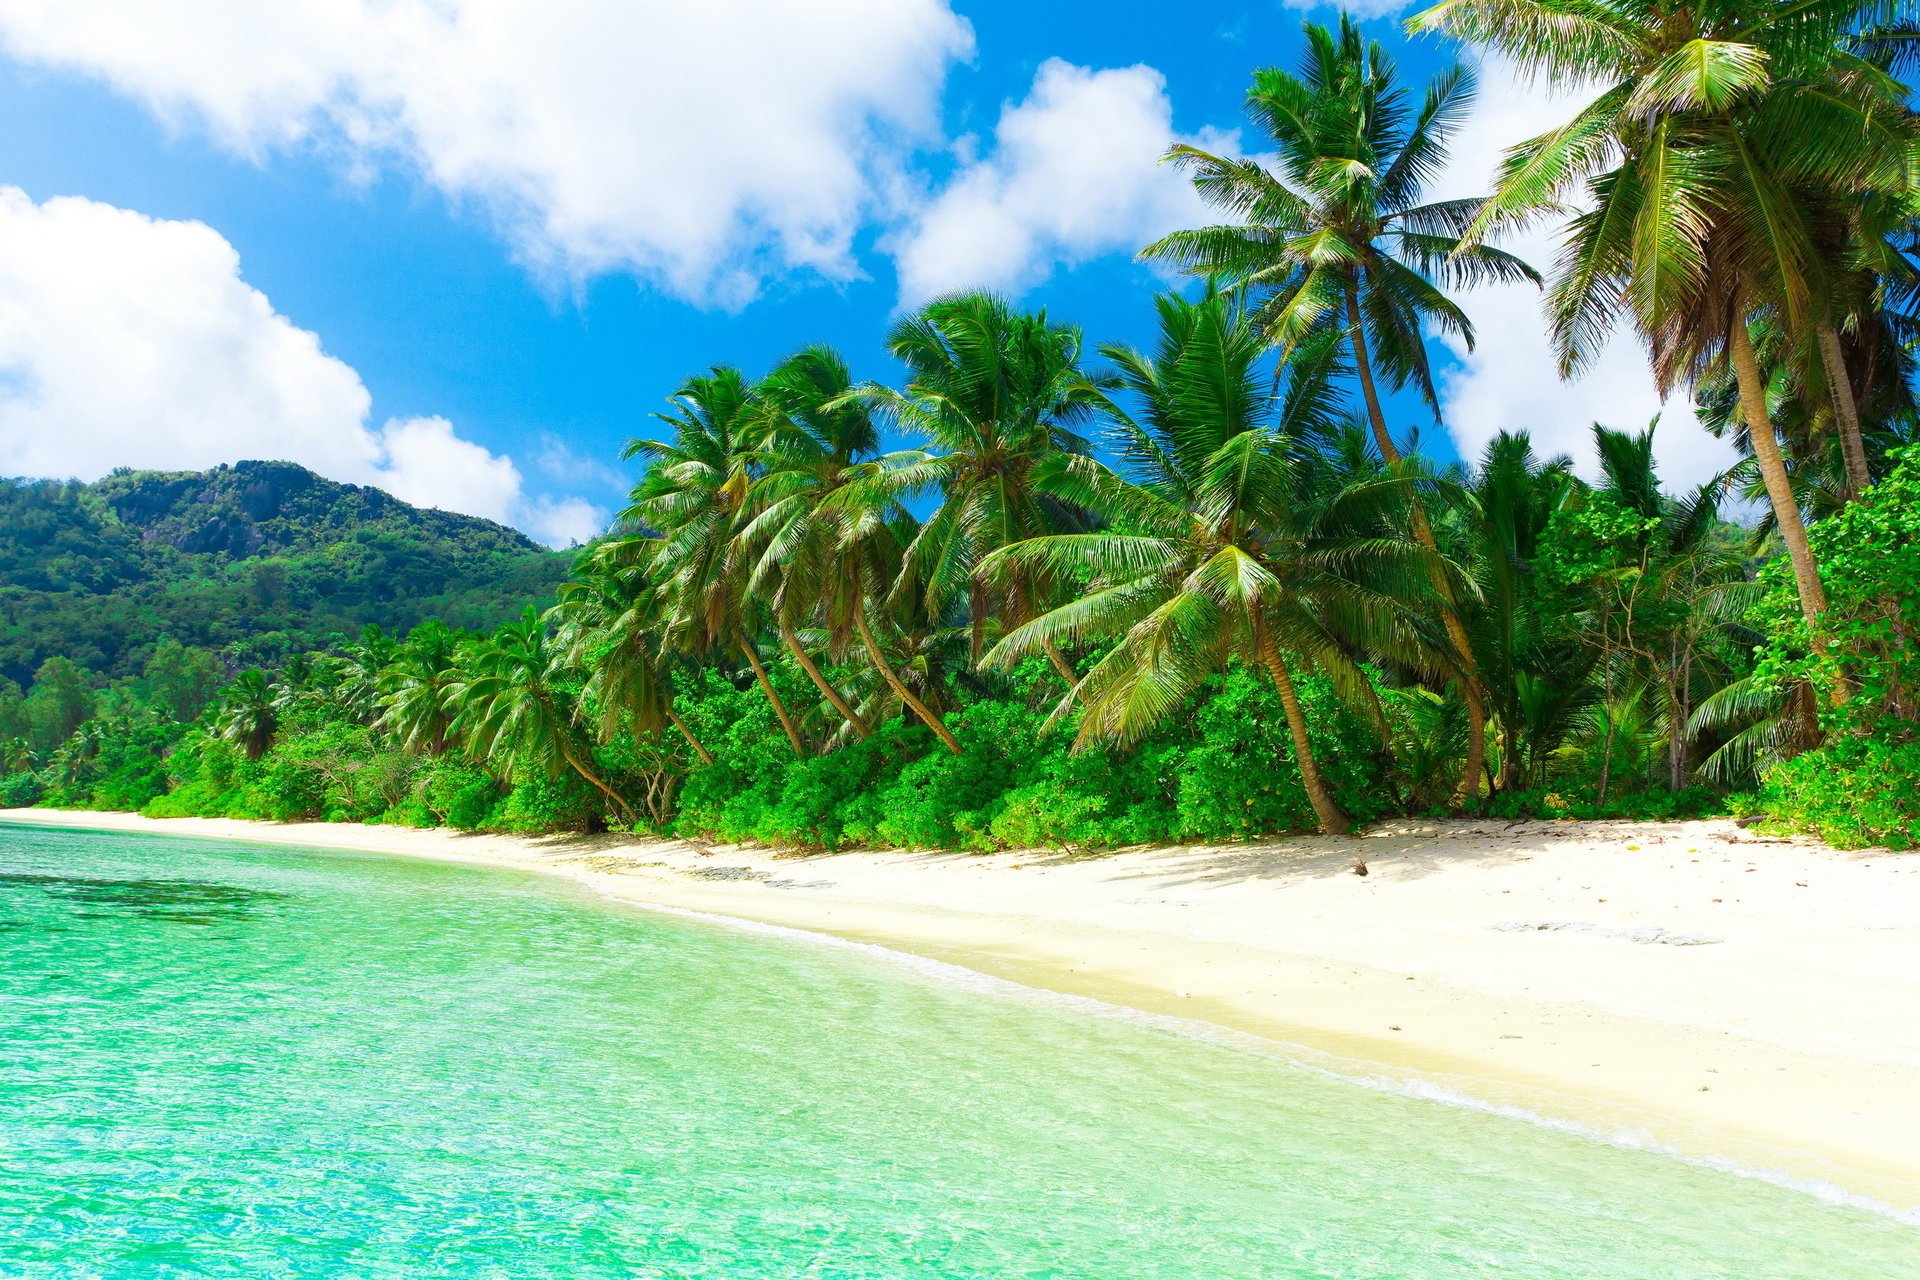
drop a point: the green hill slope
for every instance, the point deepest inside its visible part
(257, 560)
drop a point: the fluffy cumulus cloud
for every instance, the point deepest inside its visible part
(701, 144)
(1074, 173)
(133, 341)
(1509, 381)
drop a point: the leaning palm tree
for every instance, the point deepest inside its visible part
(1337, 237)
(696, 494)
(515, 711)
(249, 714)
(1726, 136)
(994, 393)
(611, 626)
(815, 439)
(1228, 541)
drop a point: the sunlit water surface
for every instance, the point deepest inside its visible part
(229, 1061)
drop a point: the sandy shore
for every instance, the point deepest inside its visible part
(1698, 987)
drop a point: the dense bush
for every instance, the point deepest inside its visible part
(1862, 786)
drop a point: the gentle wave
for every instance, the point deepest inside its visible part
(1353, 1071)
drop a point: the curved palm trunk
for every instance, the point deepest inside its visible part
(1773, 469)
(573, 762)
(1333, 820)
(820, 682)
(706, 757)
(898, 685)
(1853, 446)
(1472, 692)
(766, 687)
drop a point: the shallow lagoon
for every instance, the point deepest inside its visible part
(232, 1061)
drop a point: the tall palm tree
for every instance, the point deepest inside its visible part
(992, 392)
(1725, 137)
(249, 714)
(1227, 542)
(696, 494)
(1337, 237)
(815, 440)
(413, 685)
(514, 710)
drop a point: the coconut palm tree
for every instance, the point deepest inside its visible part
(1525, 656)
(515, 711)
(1224, 540)
(610, 626)
(1336, 237)
(1724, 138)
(869, 581)
(249, 714)
(696, 494)
(993, 393)
(815, 438)
(413, 685)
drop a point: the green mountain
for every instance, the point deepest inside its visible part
(257, 560)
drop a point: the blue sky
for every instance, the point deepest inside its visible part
(507, 255)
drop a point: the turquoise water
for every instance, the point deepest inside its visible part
(229, 1061)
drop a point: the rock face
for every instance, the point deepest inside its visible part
(270, 508)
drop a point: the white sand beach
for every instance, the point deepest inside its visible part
(1695, 986)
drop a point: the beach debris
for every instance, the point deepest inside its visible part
(1360, 866)
(725, 873)
(1645, 935)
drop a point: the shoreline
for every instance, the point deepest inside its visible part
(1683, 986)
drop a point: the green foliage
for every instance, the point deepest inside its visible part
(1855, 792)
(252, 563)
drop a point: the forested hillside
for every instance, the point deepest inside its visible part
(257, 561)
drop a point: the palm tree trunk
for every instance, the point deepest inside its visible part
(573, 762)
(1063, 668)
(820, 682)
(1853, 446)
(766, 687)
(1333, 820)
(1773, 469)
(706, 757)
(898, 685)
(1471, 690)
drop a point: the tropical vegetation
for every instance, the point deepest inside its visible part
(1040, 591)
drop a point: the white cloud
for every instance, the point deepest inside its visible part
(133, 341)
(1509, 382)
(702, 144)
(1074, 173)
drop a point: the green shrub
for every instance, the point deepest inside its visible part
(1854, 793)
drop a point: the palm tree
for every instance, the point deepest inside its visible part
(249, 714)
(1231, 543)
(815, 439)
(1336, 237)
(413, 685)
(871, 582)
(1509, 502)
(1727, 136)
(362, 669)
(611, 627)
(16, 756)
(513, 707)
(696, 494)
(993, 392)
